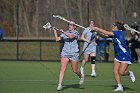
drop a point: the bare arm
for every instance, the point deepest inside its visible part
(104, 32)
(84, 39)
(102, 35)
(57, 38)
(71, 36)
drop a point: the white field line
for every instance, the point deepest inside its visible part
(57, 80)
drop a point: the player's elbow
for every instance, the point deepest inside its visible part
(82, 38)
(57, 39)
(71, 36)
(109, 33)
(121, 73)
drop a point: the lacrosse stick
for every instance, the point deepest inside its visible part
(62, 18)
(49, 26)
(126, 26)
(91, 39)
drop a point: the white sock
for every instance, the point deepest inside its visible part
(93, 68)
(119, 85)
(82, 68)
(59, 84)
(93, 71)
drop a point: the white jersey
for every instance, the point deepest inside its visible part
(91, 36)
(70, 49)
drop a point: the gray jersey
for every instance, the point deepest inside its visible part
(92, 37)
(70, 49)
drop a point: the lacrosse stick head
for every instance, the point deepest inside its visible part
(60, 17)
(126, 26)
(55, 16)
(131, 29)
(47, 26)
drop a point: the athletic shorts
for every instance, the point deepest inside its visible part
(124, 58)
(73, 56)
(90, 50)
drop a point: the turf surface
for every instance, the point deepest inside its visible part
(41, 77)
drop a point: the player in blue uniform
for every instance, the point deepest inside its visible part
(70, 52)
(122, 55)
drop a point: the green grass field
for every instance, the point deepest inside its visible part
(41, 77)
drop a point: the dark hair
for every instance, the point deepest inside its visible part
(91, 21)
(120, 25)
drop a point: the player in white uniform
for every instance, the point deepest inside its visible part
(89, 48)
(70, 52)
(122, 55)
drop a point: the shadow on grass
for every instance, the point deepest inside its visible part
(115, 86)
(124, 87)
(75, 86)
(87, 75)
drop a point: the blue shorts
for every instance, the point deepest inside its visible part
(124, 58)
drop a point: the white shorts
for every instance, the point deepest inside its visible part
(73, 57)
(90, 50)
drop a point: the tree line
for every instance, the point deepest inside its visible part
(25, 18)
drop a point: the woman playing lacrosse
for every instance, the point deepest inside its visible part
(70, 52)
(89, 48)
(122, 54)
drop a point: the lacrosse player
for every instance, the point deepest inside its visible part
(89, 48)
(122, 55)
(70, 52)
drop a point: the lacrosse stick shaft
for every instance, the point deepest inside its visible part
(84, 50)
(131, 29)
(92, 38)
(57, 29)
(126, 26)
(62, 18)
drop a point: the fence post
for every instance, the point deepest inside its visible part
(17, 31)
(40, 50)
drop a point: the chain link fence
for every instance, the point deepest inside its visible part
(47, 50)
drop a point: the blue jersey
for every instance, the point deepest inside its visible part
(120, 48)
(1, 33)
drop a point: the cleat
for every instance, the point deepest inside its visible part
(93, 74)
(60, 87)
(132, 76)
(82, 71)
(81, 80)
(119, 89)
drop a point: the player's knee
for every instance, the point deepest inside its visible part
(75, 71)
(121, 73)
(92, 59)
(86, 59)
(115, 72)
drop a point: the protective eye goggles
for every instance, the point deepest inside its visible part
(114, 24)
